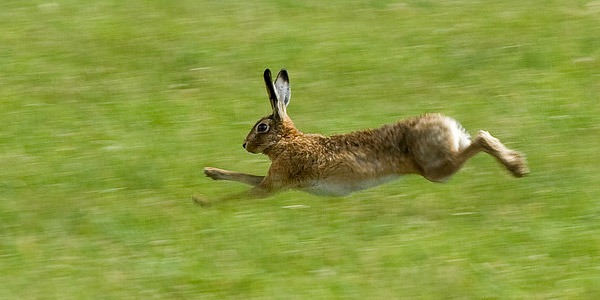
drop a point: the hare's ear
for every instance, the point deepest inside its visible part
(279, 92)
(282, 86)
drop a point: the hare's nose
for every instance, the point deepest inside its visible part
(244, 145)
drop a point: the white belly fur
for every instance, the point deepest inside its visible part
(329, 188)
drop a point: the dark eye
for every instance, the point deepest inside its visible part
(262, 127)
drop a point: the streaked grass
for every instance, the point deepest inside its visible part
(109, 111)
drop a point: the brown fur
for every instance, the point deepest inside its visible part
(432, 145)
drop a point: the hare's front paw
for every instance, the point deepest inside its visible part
(216, 174)
(201, 200)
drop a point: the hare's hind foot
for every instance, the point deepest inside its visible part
(516, 163)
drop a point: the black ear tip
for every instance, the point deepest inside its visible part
(284, 74)
(267, 75)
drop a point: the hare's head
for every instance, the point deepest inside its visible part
(271, 129)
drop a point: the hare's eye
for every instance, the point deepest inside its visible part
(262, 127)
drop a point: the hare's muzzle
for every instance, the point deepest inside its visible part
(244, 145)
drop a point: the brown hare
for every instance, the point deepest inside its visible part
(432, 145)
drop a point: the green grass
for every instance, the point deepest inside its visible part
(109, 111)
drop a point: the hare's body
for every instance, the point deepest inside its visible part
(341, 164)
(432, 145)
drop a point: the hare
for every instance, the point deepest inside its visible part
(432, 145)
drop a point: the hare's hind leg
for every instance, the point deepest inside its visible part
(441, 146)
(513, 161)
(219, 174)
(449, 164)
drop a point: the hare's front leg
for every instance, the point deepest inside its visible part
(220, 174)
(260, 187)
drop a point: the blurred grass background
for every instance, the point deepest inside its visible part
(109, 110)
